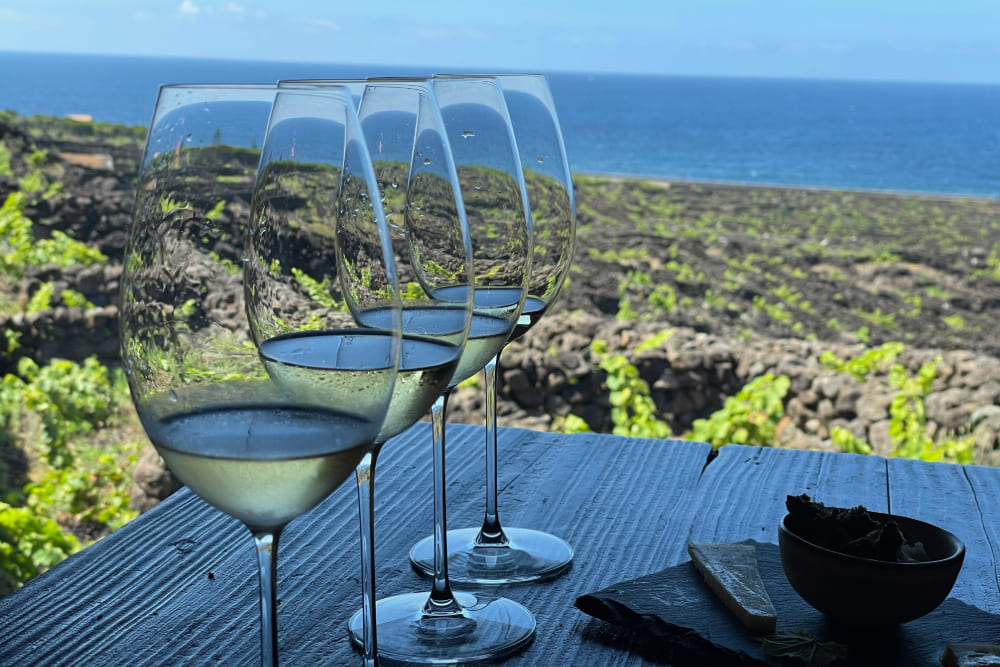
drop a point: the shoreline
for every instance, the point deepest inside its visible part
(667, 182)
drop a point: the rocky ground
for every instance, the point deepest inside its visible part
(748, 279)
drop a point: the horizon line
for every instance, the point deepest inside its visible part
(557, 71)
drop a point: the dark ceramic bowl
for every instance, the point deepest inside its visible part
(861, 591)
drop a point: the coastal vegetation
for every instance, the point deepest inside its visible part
(800, 262)
(67, 437)
(755, 414)
(878, 274)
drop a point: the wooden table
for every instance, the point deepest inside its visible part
(178, 585)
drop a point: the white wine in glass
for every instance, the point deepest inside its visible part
(443, 627)
(493, 554)
(253, 446)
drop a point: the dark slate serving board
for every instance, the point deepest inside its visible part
(679, 621)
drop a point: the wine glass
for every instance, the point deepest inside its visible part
(433, 253)
(446, 627)
(434, 256)
(231, 421)
(493, 554)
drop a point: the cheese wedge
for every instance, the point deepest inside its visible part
(731, 572)
(970, 655)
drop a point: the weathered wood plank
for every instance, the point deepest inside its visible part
(940, 493)
(985, 506)
(179, 584)
(116, 586)
(599, 492)
(617, 500)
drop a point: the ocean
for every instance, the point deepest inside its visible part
(916, 137)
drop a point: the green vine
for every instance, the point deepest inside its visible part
(863, 365)
(633, 412)
(751, 417)
(20, 249)
(907, 408)
(76, 487)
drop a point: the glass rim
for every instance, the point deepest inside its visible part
(488, 75)
(222, 86)
(331, 91)
(399, 79)
(321, 81)
(414, 83)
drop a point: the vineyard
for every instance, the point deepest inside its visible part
(851, 321)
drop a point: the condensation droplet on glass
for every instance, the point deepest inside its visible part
(467, 134)
(541, 159)
(427, 160)
(172, 395)
(394, 186)
(478, 187)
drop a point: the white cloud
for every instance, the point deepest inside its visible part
(188, 8)
(234, 8)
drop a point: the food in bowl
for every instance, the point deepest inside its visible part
(866, 568)
(854, 531)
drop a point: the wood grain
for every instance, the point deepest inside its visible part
(179, 584)
(940, 493)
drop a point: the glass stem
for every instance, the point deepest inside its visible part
(491, 534)
(267, 571)
(441, 601)
(365, 474)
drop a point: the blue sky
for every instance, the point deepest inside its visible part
(919, 40)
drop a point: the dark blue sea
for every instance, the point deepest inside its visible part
(921, 137)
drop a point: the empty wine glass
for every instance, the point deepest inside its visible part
(231, 421)
(493, 554)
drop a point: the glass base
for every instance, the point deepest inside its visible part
(486, 629)
(530, 555)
